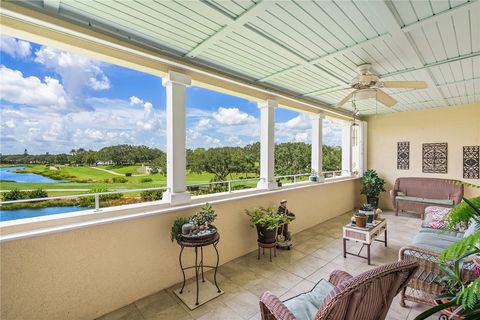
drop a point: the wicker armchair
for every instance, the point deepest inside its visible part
(367, 296)
(422, 287)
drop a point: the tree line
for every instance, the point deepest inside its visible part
(222, 162)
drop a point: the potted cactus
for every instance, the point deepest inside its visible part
(367, 210)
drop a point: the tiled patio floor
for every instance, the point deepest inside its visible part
(316, 253)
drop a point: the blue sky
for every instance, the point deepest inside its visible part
(53, 101)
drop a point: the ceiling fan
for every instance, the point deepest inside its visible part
(368, 85)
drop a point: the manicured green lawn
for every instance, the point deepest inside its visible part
(92, 178)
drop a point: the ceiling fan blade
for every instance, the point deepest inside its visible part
(405, 84)
(386, 99)
(344, 100)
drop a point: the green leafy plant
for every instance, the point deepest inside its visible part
(145, 180)
(151, 195)
(268, 218)
(128, 174)
(205, 216)
(119, 180)
(366, 207)
(14, 194)
(176, 231)
(373, 185)
(462, 296)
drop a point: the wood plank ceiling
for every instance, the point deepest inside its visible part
(309, 48)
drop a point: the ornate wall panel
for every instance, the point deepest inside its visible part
(403, 155)
(471, 162)
(435, 157)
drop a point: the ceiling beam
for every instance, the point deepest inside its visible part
(51, 5)
(432, 64)
(461, 8)
(230, 26)
(391, 18)
(327, 56)
(444, 14)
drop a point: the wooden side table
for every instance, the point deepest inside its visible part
(269, 246)
(365, 236)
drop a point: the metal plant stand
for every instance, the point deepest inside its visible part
(199, 265)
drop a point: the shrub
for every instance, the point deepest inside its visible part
(144, 180)
(90, 201)
(151, 195)
(119, 180)
(106, 180)
(14, 194)
(128, 174)
(37, 193)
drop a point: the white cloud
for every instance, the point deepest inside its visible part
(76, 71)
(108, 122)
(135, 100)
(15, 48)
(32, 91)
(232, 116)
(302, 121)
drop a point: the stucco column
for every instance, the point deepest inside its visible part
(347, 149)
(176, 85)
(267, 144)
(317, 144)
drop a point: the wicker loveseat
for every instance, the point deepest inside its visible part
(367, 296)
(415, 194)
(424, 249)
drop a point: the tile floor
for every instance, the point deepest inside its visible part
(316, 253)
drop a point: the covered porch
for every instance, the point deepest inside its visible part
(119, 262)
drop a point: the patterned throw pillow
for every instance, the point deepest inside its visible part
(435, 217)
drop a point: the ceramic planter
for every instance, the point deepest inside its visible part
(266, 236)
(373, 201)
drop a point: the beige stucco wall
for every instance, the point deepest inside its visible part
(87, 272)
(458, 126)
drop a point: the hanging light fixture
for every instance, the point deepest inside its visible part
(354, 126)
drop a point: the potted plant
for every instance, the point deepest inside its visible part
(313, 176)
(361, 220)
(279, 182)
(367, 210)
(373, 185)
(176, 231)
(200, 224)
(461, 297)
(267, 221)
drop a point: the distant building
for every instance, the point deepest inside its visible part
(147, 170)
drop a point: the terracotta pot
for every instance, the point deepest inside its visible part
(361, 221)
(448, 312)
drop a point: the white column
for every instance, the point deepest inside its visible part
(267, 144)
(347, 149)
(176, 84)
(317, 143)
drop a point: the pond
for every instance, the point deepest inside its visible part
(8, 173)
(6, 215)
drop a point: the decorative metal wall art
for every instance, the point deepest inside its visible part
(471, 162)
(403, 155)
(434, 158)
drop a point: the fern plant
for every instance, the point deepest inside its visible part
(461, 295)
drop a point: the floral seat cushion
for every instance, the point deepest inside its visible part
(435, 217)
